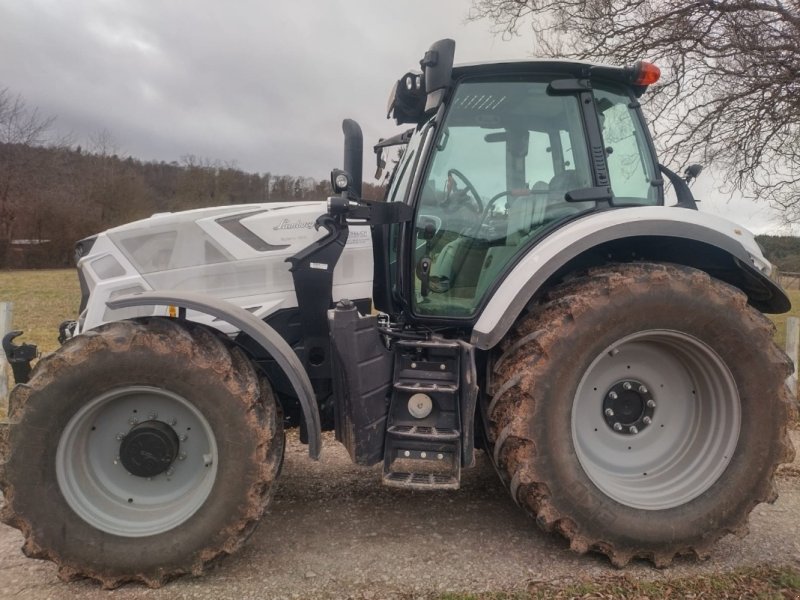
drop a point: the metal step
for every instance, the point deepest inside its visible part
(424, 434)
(421, 481)
(426, 387)
(422, 457)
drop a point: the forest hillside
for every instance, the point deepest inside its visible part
(50, 197)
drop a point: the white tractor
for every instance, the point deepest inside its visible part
(522, 289)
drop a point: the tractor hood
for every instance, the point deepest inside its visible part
(236, 253)
(238, 230)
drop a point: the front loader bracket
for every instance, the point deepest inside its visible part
(19, 356)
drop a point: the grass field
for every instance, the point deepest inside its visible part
(780, 320)
(42, 299)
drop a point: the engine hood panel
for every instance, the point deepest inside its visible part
(234, 253)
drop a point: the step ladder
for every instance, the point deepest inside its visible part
(423, 433)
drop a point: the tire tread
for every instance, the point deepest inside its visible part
(522, 365)
(203, 349)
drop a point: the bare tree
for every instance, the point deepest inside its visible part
(20, 127)
(20, 124)
(730, 90)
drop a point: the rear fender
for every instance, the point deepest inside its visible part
(653, 233)
(260, 332)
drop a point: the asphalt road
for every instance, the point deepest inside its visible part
(334, 532)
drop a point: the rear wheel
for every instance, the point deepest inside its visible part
(641, 412)
(140, 451)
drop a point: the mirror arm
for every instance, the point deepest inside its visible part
(682, 191)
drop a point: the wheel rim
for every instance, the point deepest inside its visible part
(673, 433)
(104, 493)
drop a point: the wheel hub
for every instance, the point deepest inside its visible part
(628, 407)
(149, 448)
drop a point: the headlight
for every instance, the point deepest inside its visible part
(83, 247)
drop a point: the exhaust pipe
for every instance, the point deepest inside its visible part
(353, 153)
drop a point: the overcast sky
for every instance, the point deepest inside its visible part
(259, 83)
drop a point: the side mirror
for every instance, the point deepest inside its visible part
(437, 72)
(692, 172)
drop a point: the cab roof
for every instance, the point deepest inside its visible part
(579, 69)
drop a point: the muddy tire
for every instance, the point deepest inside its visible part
(140, 451)
(641, 411)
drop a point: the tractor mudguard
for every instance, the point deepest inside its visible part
(260, 332)
(687, 233)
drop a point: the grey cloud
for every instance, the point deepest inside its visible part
(264, 84)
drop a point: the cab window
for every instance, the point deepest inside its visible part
(400, 182)
(630, 165)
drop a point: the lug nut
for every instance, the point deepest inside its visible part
(182, 456)
(169, 472)
(633, 429)
(614, 352)
(182, 437)
(627, 385)
(442, 367)
(617, 426)
(612, 395)
(173, 421)
(440, 456)
(152, 416)
(406, 453)
(647, 420)
(133, 421)
(120, 436)
(651, 403)
(423, 455)
(413, 365)
(609, 412)
(642, 389)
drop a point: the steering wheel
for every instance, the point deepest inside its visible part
(494, 199)
(451, 174)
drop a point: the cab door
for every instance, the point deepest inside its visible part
(503, 160)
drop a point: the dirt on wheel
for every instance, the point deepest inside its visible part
(334, 532)
(581, 468)
(164, 522)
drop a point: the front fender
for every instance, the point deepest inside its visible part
(263, 334)
(687, 232)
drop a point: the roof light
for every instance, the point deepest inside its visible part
(645, 73)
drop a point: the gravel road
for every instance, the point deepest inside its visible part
(334, 532)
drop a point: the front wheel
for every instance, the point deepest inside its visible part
(641, 412)
(140, 451)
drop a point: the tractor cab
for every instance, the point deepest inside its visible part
(498, 156)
